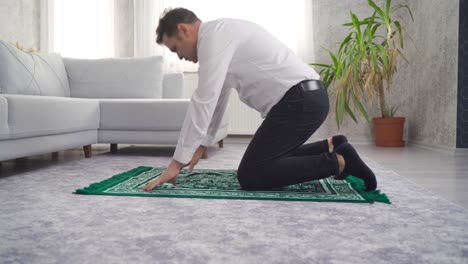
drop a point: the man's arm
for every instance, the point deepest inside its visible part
(218, 115)
(215, 55)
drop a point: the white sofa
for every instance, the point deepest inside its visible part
(48, 104)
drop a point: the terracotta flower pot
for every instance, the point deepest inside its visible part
(389, 131)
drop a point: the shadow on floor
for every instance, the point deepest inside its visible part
(36, 162)
(148, 151)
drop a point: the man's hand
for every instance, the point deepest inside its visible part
(196, 157)
(173, 170)
(170, 174)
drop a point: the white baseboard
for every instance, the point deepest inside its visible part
(245, 139)
(461, 152)
(238, 139)
(442, 149)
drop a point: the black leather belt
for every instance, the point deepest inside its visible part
(310, 85)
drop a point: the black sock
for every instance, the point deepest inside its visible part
(356, 167)
(338, 140)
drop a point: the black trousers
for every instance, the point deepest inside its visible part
(277, 156)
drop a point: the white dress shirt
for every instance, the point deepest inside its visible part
(236, 54)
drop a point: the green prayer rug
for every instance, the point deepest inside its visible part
(223, 184)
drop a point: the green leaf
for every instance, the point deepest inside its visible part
(361, 46)
(326, 80)
(380, 12)
(330, 79)
(387, 7)
(363, 22)
(345, 41)
(400, 36)
(350, 113)
(359, 105)
(355, 69)
(374, 56)
(374, 28)
(383, 55)
(384, 43)
(333, 57)
(368, 31)
(341, 105)
(393, 111)
(371, 20)
(320, 65)
(340, 67)
(351, 24)
(337, 117)
(404, 6)
(358, 33)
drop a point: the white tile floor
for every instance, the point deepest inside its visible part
(444, 174)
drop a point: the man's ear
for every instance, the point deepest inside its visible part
(183, 29)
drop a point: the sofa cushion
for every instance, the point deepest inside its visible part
(173, 85)
(31, 73)
(115, 77)
(143, 114)
(30, 115)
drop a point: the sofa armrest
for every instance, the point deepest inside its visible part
(4, 128)
(173, 85)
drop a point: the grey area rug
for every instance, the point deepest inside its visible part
(41, 221)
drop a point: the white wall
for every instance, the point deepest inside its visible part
(19, 20)
(427, 87)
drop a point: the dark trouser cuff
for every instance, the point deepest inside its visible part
(324, 145)
(333, 164)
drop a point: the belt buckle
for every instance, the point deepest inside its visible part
(311, 85)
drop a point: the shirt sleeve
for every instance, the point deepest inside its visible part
(215, 52)
(218, 115)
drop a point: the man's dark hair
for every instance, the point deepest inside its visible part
(170, 19)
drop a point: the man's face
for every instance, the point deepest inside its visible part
(182, 43)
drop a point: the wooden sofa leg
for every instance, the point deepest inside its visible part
(220, 143)
(113, 147)
(205, 154)
(87, 151)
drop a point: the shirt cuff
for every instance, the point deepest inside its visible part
(183, 155)
(208, 141)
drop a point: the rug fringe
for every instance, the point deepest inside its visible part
(105, 184)
(375, 196)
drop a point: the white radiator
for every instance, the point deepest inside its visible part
(243, 120)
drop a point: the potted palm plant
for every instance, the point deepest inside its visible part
(363, 68)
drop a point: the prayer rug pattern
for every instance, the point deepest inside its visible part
(223, 184)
